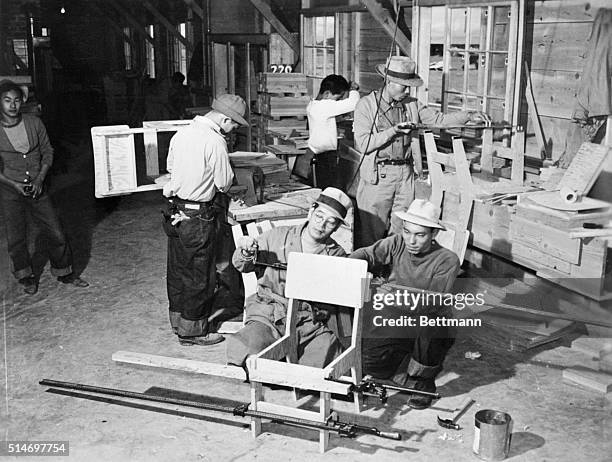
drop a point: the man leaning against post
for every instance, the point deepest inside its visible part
(382, 126)
(321, 328)
(411, 356)
(200, 174)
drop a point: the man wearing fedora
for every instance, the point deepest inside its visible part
(411, 356)
(320, 327)
(200, 174)
(382, 129)
(26, 155)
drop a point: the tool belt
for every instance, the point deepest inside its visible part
(384, 162)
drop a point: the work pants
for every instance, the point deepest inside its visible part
(191, 275)
(377, 202)
(15, 208)
(325, 168)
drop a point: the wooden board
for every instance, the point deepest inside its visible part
(585, 168)
(179, 364)
(114, 160)
(546, 239)
(553, 200)
(592, 346)
(594, 380)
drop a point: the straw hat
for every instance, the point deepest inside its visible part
(400, 69)
(334, 201)
(422, 212)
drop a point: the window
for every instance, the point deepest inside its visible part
(128, 54)
(20, 48)
(328, 48)
(319, 46)
(179, 51)
(467, 56)
(150, 52)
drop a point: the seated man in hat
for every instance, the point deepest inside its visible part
(320, 328)
(411, 355)
(382, 126)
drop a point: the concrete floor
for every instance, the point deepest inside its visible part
(69, 334)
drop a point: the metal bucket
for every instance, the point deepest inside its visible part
(492, 432)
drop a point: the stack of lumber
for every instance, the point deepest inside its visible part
(280, 106)
(599, 349)
(274, 169)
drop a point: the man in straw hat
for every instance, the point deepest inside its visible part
(26, 155)
(321, 327)
(410, 356)
(382, 135)
(200, 174)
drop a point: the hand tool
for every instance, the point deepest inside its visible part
(278, 265)
(452, 423)
(371, 387)
(333, 424)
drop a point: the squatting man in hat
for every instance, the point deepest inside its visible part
(411, 357)
(382, 126)
(200, 174)
(321, 328)
(26, 155)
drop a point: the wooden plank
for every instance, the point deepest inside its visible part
(293, 375)
(558, 48)
(592, 346)
(167, 24)
(273, 408)
(179, 364)
(594, 380)
(546, 239)
(533, 112)
(560, 11)
(195, 7)
(140, 28)
(585, 168)
(264, 8)
(388, 23)
(530, 257)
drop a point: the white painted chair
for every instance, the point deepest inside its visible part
(336, 281)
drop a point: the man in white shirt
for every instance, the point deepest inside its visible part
(336, 97)
(200, 172)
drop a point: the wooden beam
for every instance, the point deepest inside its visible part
(388, 23)
(167, 24)
(140, 28)
(113, 23)
(264, 8)
(195, 8)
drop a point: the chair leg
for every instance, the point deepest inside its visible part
(325, 410)
(256, 396)
(356, 376)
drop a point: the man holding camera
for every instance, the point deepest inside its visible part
(26, 155)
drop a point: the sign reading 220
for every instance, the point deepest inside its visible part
(281, 68)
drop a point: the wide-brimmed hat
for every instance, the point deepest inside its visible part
(233, 106)
(400, 69)
(335, 201)
(8, 85)
(422, 212)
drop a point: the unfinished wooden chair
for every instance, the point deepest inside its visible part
(451, 173)
(336, 281)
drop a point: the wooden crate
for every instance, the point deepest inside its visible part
(281, 106)
(283, 83)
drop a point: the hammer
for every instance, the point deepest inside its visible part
(452, 423)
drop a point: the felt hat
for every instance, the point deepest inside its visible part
(334, 201)
(422, 212)
(400, 69)
(8, 85)
(233, 106)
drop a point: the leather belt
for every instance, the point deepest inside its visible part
(190, 205)
(392, 162)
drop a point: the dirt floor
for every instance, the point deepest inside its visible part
(69, 334)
